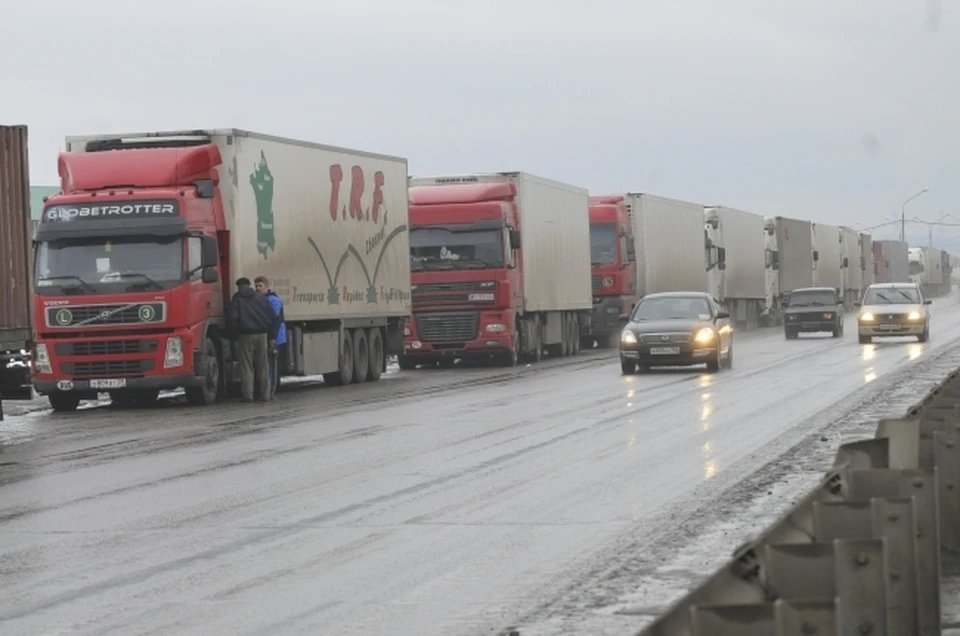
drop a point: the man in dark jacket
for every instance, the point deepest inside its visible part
(253, 325)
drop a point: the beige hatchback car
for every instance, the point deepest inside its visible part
(893, 309)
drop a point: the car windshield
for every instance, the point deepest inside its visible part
(100, 265)
(603, 243)
(811, 299)
(439, 248)
(672, 308)
(892, 296)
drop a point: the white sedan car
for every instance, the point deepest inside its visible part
(893, 309)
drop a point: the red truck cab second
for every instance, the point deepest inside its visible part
(613, 268)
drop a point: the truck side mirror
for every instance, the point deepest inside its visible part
(210, 252)
(846, 262)
(816, 255)
(721, 258)
(631, 252)
(514, 239)
(209, 275)
(624, 317)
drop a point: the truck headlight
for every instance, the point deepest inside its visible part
(174, 355)
(705, 335)
(406, 331)
(42, 359)
(496, 327)
(628, 337)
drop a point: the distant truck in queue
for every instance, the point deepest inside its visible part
(135, 261)
(500, 268)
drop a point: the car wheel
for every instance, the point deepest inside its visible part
(730, 356)
(866, 339)
(714, 365)
(628, 367)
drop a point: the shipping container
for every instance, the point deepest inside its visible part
(827, 241)
(15, 306)
(669, 244)
(16, 324)
(795, 254)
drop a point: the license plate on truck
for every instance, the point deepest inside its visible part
(108, 384)
(664, 351)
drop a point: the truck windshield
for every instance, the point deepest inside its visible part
(439, 248)
(97, 265)
(811, 299)
(603, 243)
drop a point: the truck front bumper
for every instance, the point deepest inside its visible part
(87, 387)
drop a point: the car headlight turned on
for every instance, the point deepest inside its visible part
(868, 317)
(914, 315)
(628, 337)
(705, 335)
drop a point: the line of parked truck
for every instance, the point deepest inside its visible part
(133, 261)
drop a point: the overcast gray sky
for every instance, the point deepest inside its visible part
(830, 110)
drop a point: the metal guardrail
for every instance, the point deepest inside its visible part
(860, 554)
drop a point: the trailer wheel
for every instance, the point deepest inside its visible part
(345, 374)
(565, 346)
(575, 334)
(375, 346)
(361, 356)
(64, 402)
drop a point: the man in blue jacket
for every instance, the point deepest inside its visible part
(263, 286)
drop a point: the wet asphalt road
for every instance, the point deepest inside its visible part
(433, 502)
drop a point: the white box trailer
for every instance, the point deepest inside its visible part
(851, 266)
(670, 247)
(896, 263)
(932, 270)
(327, 226)
(868, 266)
(741, 284)
(828, 243)
(794, 254)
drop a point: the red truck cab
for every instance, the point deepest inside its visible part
(613, 268)
(129, 268)
(465, 273)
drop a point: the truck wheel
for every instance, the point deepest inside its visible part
(565, 345)
(406, 364)
(575, 335)
(375, 346)
(361, 356)
(209, 391)
(345, 374)
(512, 357)
(64, 402)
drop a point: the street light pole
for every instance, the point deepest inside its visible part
(903, 214)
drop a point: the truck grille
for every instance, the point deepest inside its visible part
(596, 282)
(106, 368)
(106, 347)
(99, 315)
(448, 327)
(432, 294)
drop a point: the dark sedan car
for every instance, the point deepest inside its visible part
(676, 329)
(812, 310)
